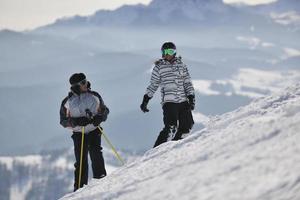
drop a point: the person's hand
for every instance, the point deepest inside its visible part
(144, 104)
(72, 122)
(191, 99)
(97, 119)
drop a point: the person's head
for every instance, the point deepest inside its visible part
(78, 83)
(168, 50)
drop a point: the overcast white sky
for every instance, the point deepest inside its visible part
(28, 14)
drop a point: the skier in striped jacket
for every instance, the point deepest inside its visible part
(177, 92)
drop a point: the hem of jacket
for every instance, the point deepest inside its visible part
(75, 132)
(162, 103)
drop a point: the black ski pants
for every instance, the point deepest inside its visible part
(92, 144)
(178, 119)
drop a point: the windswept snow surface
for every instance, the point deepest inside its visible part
(250, 153)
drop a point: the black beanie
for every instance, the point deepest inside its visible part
(76, 78)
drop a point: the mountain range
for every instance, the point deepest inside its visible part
(182, 12)
(225, 46)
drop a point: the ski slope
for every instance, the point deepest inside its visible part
(252, 153)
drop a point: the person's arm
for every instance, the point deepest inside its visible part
(151, 89)
(154, 82)
(64, 118)
(103, 111)
(189, 88)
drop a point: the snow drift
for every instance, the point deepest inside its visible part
(250, 153)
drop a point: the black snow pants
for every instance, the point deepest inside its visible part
(178, 119)
(92, 144)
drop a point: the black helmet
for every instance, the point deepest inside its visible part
(76, 78)
(168, 45)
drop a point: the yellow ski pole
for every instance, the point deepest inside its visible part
(111, 146)
(81, 155)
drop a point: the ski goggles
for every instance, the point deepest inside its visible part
(170, 52)
(83, 82)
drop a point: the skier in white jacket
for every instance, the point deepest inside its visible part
(177, 92)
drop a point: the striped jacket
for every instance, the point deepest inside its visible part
(75, 106)
(173, 79)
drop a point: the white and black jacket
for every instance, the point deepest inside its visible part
(74, 106)
(173, 79)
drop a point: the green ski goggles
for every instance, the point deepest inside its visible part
(170, 52)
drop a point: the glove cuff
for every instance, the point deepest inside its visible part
(191, 98)
(146, 99)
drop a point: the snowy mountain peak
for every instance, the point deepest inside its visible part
(180, 12)
(169, 3)
(190, 8)
(250, 153)
(158, 12)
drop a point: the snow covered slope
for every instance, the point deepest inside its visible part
(250, 153)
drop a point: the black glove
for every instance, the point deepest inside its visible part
(97, 119)
(71, 122)
(191, 99)
(144, 104)
(79, 121)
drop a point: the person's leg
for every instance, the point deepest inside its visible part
(96, 156)
(170, 121)
(77, 151)
(186, 121)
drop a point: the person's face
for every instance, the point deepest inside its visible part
(168, 57)
(83, 86)
(169, 54)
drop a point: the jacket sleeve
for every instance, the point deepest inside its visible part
(154, 82)
(103, 109)
(188, 86)
(64, 119)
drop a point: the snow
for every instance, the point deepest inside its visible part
(110, 168)
(254, 42)
(63, 163)
(26, 160)
(203, 87)
(290, 52)
(250, 82)
(18, 193)
(251, 153)
(286, 18)
(249, 2)
(200, 118)
(267, 44)
(260, 79)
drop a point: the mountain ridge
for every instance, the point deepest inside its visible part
(162, 13)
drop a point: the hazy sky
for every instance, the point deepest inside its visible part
(27, 14)
(24, 14)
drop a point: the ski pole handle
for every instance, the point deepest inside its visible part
(89, 114)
